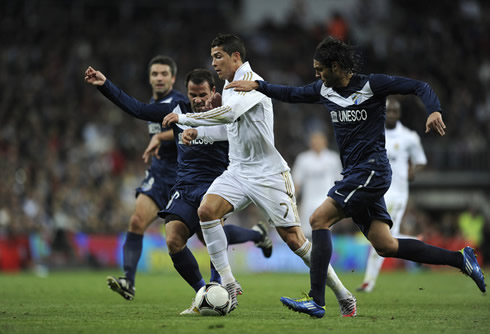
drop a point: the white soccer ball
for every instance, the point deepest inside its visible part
(213, 299)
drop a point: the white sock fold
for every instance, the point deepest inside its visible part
(216, 242)
(304, 252)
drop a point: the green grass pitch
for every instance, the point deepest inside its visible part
(80, 302)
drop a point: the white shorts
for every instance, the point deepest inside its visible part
(396, 205)
(274, 195)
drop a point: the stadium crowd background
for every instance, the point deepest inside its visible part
(70, 160)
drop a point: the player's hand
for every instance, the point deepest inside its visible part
(435, 122)
(243, 85)
(188, 136)
(152, 149)
(94, 77)
(170, 119)
(213, 102)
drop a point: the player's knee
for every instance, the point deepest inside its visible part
(386, 248)
(294, 238)
(137, 224)
(206, 213)
(174, 244)
(318, 221)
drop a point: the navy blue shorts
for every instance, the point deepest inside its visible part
(360, 194)
(184, 202)
(157, 190)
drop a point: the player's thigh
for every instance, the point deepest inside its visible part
(274, 195)
(146, 209)
(225, 194)
(326, 215)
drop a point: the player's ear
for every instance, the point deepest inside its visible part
(236, 57)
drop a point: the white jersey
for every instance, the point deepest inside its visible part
(249, 125)
(403, 147)
(315, 174)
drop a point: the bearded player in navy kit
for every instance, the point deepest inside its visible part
(356, 104)
(198, 165)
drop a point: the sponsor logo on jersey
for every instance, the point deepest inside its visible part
(199, 141)
(348, 116)
(154, 128)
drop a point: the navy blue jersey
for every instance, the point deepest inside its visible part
(165, 168)
(358, 112)
(198, 163)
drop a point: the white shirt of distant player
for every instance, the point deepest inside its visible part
(249, 122)
(403, 146)
(316, 173)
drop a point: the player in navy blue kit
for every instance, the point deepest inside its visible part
(356, 104)
(198, 165)
(152, 195)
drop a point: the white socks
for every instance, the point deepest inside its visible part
(216, 242)
(336, 285)
(304, 252)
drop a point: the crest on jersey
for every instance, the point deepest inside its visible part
(356, 97)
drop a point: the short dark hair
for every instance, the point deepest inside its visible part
(198, 76)
(230, 43)
(332, 50)
(164, 60)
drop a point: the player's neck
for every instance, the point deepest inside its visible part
(344, 81)
(159, 96)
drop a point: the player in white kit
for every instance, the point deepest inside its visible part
(257, 173)
(314, 173)
(406, 157)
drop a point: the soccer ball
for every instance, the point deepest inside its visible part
(212, 299)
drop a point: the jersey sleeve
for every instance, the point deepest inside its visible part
(212, 133)
(237, 105)
(304, 94)
(154, 112)
(383, 84)
(416, 151)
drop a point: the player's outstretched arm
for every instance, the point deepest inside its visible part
(435, 122)
(243, 85)
(94, 77)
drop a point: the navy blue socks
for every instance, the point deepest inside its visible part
(186, 265)
(417, 251)
(131, 255)
(237, 235)
(321, 252)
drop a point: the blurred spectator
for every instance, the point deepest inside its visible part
(338, 27)
(471, 223)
